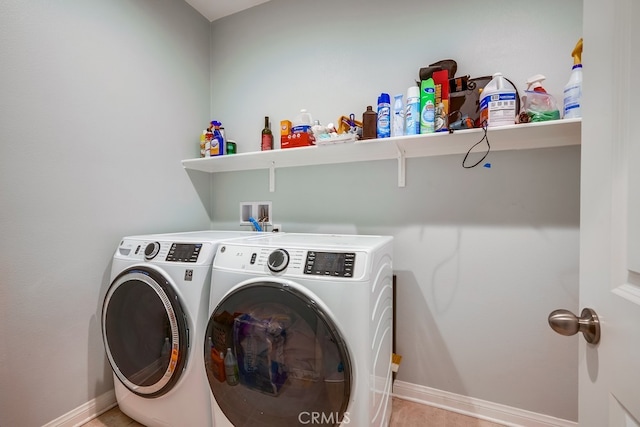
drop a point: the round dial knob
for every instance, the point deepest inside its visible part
(278, 260)
(151, 250)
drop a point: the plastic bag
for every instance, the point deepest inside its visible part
(540, 106)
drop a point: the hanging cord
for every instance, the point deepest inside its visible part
(484, 128)
(485, 137)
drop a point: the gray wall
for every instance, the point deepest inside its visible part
(483, 255)
(99, 102)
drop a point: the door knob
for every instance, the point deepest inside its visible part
(566, 323)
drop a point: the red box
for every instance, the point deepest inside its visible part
(297, 140)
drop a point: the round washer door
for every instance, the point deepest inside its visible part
(145, 331)
(293, 364)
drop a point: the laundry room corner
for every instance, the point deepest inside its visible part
(101, 101)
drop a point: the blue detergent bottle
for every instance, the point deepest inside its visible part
(217, 143)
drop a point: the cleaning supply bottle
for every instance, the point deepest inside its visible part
(539, 106)
(412, 112)
(219, 370)
(318, 130)
(208, 140)
(498, 102)
(398, 116)
(224, 140)
(369, 120)
(573, 89)
(384, 116)
(427, 106)
(217, 362)
(217, 142)
(231, 368)
(204, 149)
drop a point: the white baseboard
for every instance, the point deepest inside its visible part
(85, 413)
(482, 409)
(501, 414)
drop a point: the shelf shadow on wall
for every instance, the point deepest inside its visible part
(202, 184)
(535, 188)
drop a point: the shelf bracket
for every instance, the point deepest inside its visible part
(402, 166)
(272, 177)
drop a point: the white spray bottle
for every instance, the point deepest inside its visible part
(397, 128)
(573, 89)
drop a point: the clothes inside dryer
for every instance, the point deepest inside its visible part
(292, 362)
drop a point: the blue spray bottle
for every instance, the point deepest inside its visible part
(384, 116)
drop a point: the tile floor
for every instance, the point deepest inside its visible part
(405, 414)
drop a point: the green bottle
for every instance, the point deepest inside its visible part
(427, 106)
(267, 136)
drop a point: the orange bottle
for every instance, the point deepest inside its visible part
(217, 365)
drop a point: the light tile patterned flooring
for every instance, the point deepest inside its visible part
(404, 414)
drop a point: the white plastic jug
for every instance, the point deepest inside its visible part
(498, 102)
(303, 122)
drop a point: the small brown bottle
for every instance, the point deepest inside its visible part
(369, 123)
(267, 136)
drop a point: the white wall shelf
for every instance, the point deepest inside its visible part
(528, 136)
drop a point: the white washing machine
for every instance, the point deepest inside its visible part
(308, 318)
(153, 319)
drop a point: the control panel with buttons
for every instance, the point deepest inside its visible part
(336, 264)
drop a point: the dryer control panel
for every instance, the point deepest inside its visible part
(184, 252)
(335, 264)
(162, 252)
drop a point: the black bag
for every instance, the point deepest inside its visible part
(446, 64)
(464, 101)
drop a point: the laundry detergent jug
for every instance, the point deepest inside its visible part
(498, 102)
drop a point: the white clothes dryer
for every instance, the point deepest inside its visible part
(153, 317)
(308, 318)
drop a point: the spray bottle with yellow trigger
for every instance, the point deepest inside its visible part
(539, 106)
(573, 89)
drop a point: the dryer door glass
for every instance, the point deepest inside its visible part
(293, 365)
(145, 332)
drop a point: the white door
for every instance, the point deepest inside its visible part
(609, 372)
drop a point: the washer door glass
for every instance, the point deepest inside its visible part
(145, 332)
(293, 366)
